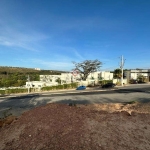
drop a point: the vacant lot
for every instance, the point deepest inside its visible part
(80, 127)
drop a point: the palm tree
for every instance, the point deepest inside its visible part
(117, 74)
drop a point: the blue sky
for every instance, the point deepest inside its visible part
(51, 34)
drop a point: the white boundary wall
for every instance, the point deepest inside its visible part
(119, 80)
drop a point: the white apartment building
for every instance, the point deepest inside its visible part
(106, 75)
(50, 80)
(135, 73)
(69, 77)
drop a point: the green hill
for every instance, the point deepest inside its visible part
(17, 76)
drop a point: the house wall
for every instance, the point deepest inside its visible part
(128, 75)
(119, 80)
(106, 75)
(69, 77)
(35, 84)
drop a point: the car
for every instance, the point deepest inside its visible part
(81, 88)
(132, 81)
(108, 85)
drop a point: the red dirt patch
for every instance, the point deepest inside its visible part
(59, 126)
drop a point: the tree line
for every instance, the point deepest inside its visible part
(17, 76)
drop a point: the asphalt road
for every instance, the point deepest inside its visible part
(17, 104)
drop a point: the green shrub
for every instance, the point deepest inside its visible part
(118, 83)
(59, 87)
(65, 86)
(74, 85)
(11, 91)
(2, 92)
(47, 88)
(105, 82)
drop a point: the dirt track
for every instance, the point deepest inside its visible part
(91, 127)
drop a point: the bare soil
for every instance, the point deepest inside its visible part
(81, 127)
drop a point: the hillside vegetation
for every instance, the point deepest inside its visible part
(17, 76)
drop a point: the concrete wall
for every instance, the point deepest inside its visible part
(84, 83)
(35, 84)
(119, 80)
(106, 75)
(39, 84)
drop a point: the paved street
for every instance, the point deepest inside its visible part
(17, 104)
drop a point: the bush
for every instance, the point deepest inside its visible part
(2, 92)
(74, 85)
(66, 86)
(105, 82)
(47, 88)
(10, 91)
(58, 87)
(118, 83)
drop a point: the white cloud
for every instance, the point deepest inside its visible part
(19, 36)
(78, 54)
(74, 55)
(54, 65)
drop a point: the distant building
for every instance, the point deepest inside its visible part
(50, 80)
(37, 69)
(135, 73)
(106, 75)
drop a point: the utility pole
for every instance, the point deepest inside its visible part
(28, 84)
(121, 67)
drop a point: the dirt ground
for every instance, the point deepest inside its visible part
(80, 127)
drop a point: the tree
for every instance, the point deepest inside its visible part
(86, 67)
(58, 80)
(117, 73)
(141, 79)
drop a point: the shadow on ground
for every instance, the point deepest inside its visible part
(70, 101)
(17, 105)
